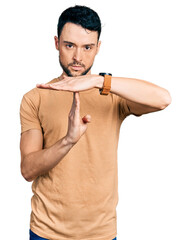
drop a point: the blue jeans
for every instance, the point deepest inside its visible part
(33, 236)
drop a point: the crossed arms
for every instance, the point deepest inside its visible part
(142, 97)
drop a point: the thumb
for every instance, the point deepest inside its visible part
(86, 119)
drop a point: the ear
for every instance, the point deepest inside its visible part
(56, 40)
(98, 46)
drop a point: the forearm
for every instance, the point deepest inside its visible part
(139, 91)
(36, 163)
(40, 162)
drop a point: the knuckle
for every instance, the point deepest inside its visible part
(70, 116)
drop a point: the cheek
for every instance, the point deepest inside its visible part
(90, 58)
(65, 58)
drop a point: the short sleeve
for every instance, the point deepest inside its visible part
(29, 111)
(123, 107)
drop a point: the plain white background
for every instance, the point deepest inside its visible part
(145, 39)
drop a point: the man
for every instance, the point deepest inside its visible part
(72, 162)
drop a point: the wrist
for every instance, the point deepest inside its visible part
(99, 80)
(67, 141)
(105, 90)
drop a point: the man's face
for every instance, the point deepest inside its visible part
(77, 49)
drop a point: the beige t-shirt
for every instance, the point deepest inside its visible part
(77, 199)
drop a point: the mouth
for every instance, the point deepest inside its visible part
(76, 67)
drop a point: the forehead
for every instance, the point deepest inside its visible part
(76, 34)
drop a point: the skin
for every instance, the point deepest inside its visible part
(32, 144)
(77, 50)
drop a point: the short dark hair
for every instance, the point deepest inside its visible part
(81, 15)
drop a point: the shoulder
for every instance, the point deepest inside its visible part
(32, 93)
(33, 96)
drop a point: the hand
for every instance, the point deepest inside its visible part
(75, 84)
(76, 125)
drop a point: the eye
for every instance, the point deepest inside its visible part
(87, 48)
(69, 46)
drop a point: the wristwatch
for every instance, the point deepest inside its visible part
(106, 84)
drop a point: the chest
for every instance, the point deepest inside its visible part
(55, 107)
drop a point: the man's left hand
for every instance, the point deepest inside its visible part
(75, 84)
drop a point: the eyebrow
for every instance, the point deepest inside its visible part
(88, 44)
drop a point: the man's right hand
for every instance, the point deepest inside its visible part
(35, 160)
(76, 125)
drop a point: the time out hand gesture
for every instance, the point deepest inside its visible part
(76, 125)
(75, 84)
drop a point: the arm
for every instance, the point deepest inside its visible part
(35, 160)
(142, 96)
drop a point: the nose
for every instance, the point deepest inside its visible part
(77, 55)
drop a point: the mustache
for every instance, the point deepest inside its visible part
(75, 63)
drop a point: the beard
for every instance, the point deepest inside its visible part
(68, 72)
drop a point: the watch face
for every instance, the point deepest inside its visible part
(103, 74)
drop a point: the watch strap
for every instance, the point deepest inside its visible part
(106, 85)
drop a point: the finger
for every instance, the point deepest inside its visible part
(86, 119)
(42, 85)
(50, 86)
(77, 96)
(75, 104)
(62, 84)
(77, 100)
(59, 83)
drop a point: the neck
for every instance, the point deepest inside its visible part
(65, 75)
